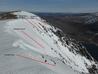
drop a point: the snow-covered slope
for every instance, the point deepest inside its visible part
(36, 35)
(90, 19)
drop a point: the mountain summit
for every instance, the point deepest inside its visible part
(57, 48)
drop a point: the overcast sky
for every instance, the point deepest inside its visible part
(50, 5)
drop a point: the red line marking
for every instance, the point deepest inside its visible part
(36, 60)
(32, 39)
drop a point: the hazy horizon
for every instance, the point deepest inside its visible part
(52, 6)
